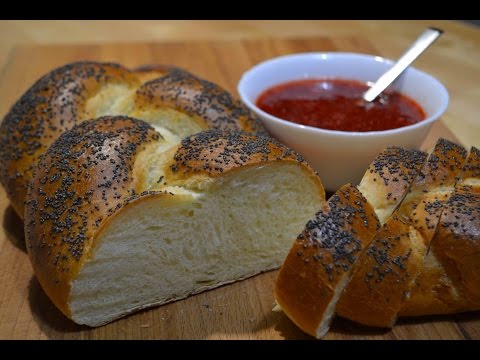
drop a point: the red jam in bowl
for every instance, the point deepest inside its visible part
(336, 104)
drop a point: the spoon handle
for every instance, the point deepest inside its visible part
(419, 46)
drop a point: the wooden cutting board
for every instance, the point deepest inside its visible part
(237, 311)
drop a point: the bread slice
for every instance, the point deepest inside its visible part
(449, 281)
(320, 263)
(118, 219)
(389, 177)
(385, 273)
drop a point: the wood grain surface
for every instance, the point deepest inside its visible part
(237, 311)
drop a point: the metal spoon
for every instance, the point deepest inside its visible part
(417, 48)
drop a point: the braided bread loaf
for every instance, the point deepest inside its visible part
(118, 219)
(339, 264)
(166, 97)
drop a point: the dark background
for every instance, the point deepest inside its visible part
(474, 22)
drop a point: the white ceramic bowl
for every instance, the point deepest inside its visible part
(339, 156)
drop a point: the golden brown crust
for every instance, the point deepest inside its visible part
(88, 175)
(374, 292)
(450, 279)
(323, 255)
(443, 168)
(200, 99)
(396, 168)
(432, 188)
(215, 152)
(52, 105)
(471, 172)
(432, 291)
(149, 72)
(385, 273)
(58, 101)
(389, 177)
(471, 169)
(83, 178)
(392, 276)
